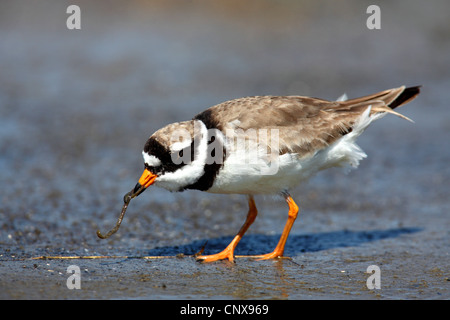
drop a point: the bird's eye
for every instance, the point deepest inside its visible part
(153, 169)
(180, 153)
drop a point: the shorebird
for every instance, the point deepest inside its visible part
(261, 145)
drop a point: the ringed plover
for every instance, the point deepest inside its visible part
(261, 145)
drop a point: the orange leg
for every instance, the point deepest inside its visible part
(279, 249)
(228, 252)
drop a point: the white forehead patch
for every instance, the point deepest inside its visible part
(151, 160)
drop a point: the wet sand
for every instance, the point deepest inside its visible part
(76, 107)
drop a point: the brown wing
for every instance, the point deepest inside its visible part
(304, 124)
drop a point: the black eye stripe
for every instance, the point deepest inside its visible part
(153, 147)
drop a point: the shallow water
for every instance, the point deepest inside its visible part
(76, 107)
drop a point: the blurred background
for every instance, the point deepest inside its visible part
(76, 107)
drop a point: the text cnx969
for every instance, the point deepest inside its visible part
(246, 309)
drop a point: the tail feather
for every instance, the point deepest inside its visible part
(406, 96)
(384, 101)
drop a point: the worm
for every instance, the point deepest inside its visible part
(126, 199)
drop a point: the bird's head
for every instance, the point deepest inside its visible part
(174, 157)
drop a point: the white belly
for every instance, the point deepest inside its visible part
(289, 170)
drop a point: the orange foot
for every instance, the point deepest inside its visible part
(276, 254)
(228, 253)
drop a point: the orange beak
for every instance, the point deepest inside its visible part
(146, 180)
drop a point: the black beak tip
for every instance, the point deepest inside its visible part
(137, 188)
